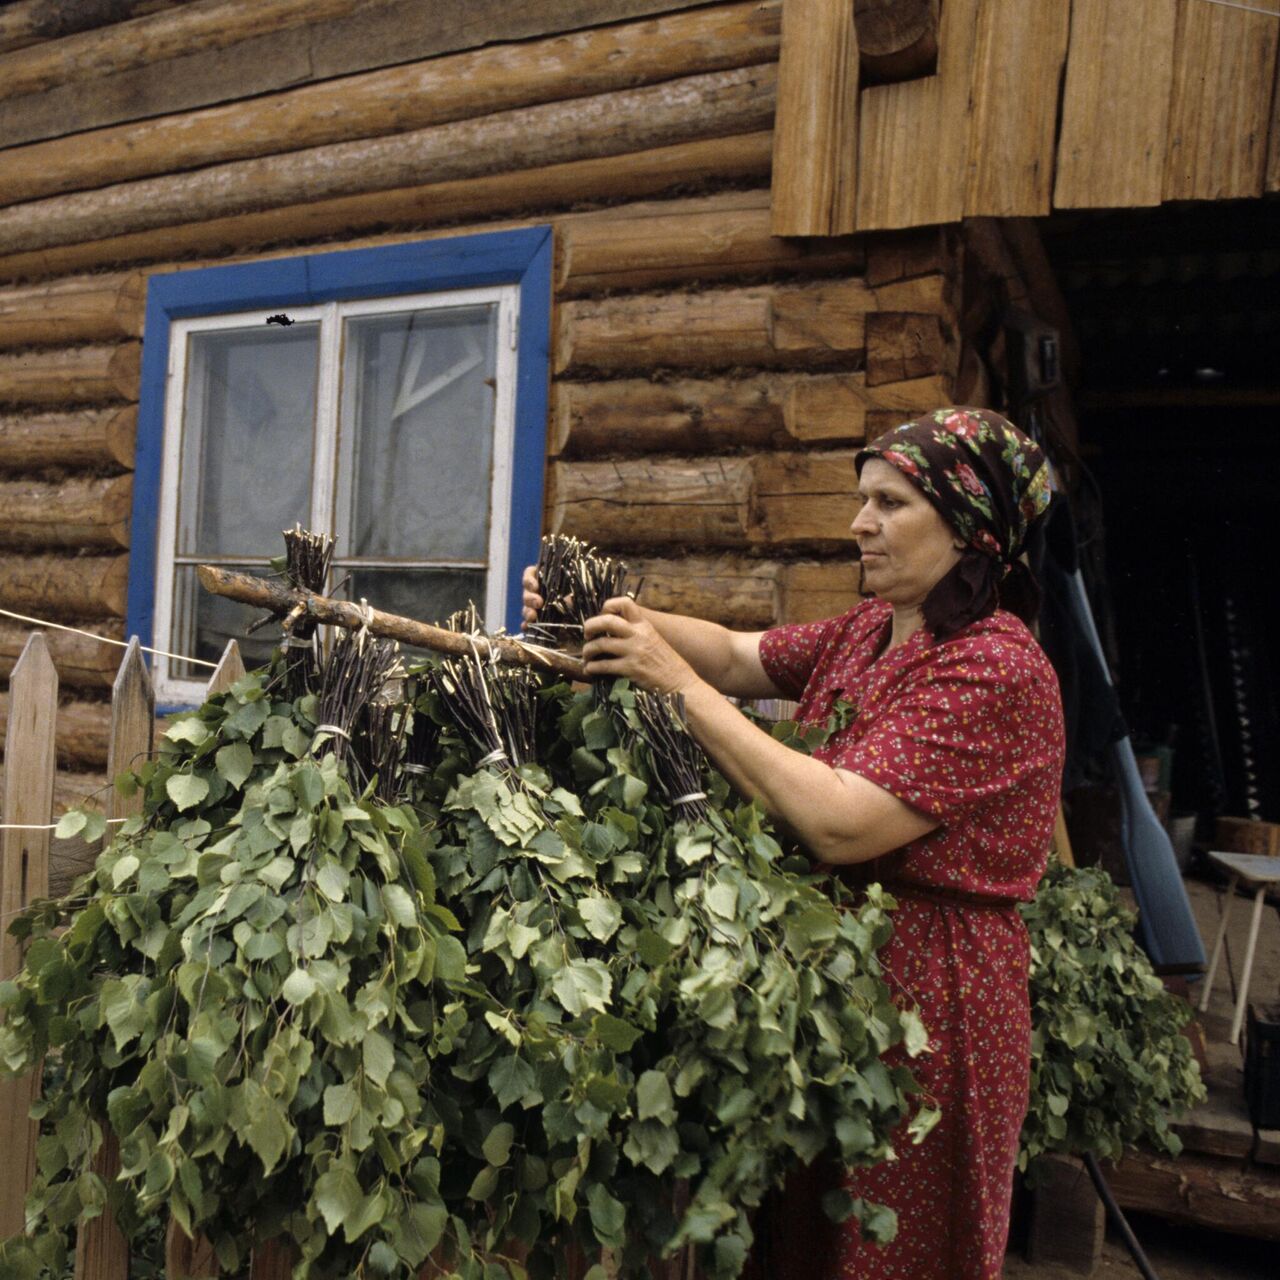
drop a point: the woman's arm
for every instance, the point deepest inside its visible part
(839, 816)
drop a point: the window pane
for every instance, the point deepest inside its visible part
(429, 595)
(247, 439)
(203, 623)
(417, 440)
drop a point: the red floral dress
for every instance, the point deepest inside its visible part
(968, 731)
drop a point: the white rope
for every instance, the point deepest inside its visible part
(1248, 8)
(42, 826)
(123, 644)
(690, 798)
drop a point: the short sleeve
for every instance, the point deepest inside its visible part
(789, 654)
(967, 725)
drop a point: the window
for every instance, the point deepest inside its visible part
(395, 398)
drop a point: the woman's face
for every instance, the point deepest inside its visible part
(906, 545)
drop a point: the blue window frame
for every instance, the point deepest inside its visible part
(357, 281)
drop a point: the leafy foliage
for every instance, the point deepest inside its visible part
(1109, 1064)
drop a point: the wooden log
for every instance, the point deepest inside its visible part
(102, 308)
(804, 499)
(82, 663)
(266, 594)
(75, 375)
(775, 326)
(1068, 1221)
(71, 587)
(643, 173)
(913, 146)
(1115, 105)
(24, 876)
(99, 438)
(819, 589)
(898, 255)
(815, 132)
(897, 39)
(902, 346)
(1017, 69)
(26, 22)
(1224, 68)
(154, 38)
(711, 415)
(715, 104)
(609, 254)
(401, 98)
(83, 734)
(72, 513)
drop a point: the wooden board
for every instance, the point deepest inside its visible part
(1115, 107)
(913, 144)
(1223, 70)
(1273, 139)
(815, 132)
(1021, 46)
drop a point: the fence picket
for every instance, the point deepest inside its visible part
(230, 668)
(24, 875)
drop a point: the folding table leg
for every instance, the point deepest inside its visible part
(1218, 944)
(1259, 902)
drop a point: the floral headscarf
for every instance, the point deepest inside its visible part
(988, 480)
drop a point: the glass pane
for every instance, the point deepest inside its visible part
(248, 429)
(429, 595)
(203, 623)
(417, 440)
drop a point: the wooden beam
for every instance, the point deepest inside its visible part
(913, 150)
(397, 99)
(1115, 105)
(155, 38)
(75, 513)
(65, 587)
(899, 255)
(902, 346)
(815, 133)
(81, 662)
(651, 172)
(99, 438)
(897, 39)
(73, 375)
(102, 308)
(623, 252)
(27, 22)
(1224, 68)
(1016, 71)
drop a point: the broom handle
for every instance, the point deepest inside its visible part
(282, 600)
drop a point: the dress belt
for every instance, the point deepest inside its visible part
(945, 897)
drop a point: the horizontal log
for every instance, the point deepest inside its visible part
(81, 662)
(83, 732)
(27, 22)
(72, 587)
(820, 324)
(742, 593)
(400, 98)
(73, 375)
(638, 174)
(775, 500)
(712, 415)
(897, 39)
(902, 346)
(919, 251)
(716, 104)
(74, 513)
(76, 438)
(599, 255)
(141, 42)
(102, 308)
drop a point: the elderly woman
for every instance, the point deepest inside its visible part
(943, 783)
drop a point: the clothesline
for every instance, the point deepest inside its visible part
(1248, 8)
(93, 635)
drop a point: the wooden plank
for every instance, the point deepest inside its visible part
(401, 98)
(1017, 66)
(73, 375)
(1224, 68)
(815, 132)
(1068, 1221)
(1115, 106)
(712, 105)
(187, 1259)
(380, 33)
(99, 438)
(273, 1260)
(229, 669)
(24, 876)
(74, 513)
(913, 149)
(650, 172)
(101, 308)
(71, 587)
(1273, 138)
(81, 662)
(27, 22)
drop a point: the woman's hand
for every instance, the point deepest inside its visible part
(621, 641)
(533, 601)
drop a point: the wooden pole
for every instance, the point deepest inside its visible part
(339, 613)
(24, 876)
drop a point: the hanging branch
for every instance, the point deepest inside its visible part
(350, 681)
(676, 759)
(576, 580)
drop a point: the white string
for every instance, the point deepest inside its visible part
(1248, 8)
(123, 644)
(42, 826)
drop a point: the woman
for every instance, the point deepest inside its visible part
(949, 763)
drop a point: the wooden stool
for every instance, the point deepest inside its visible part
(1259, 872)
